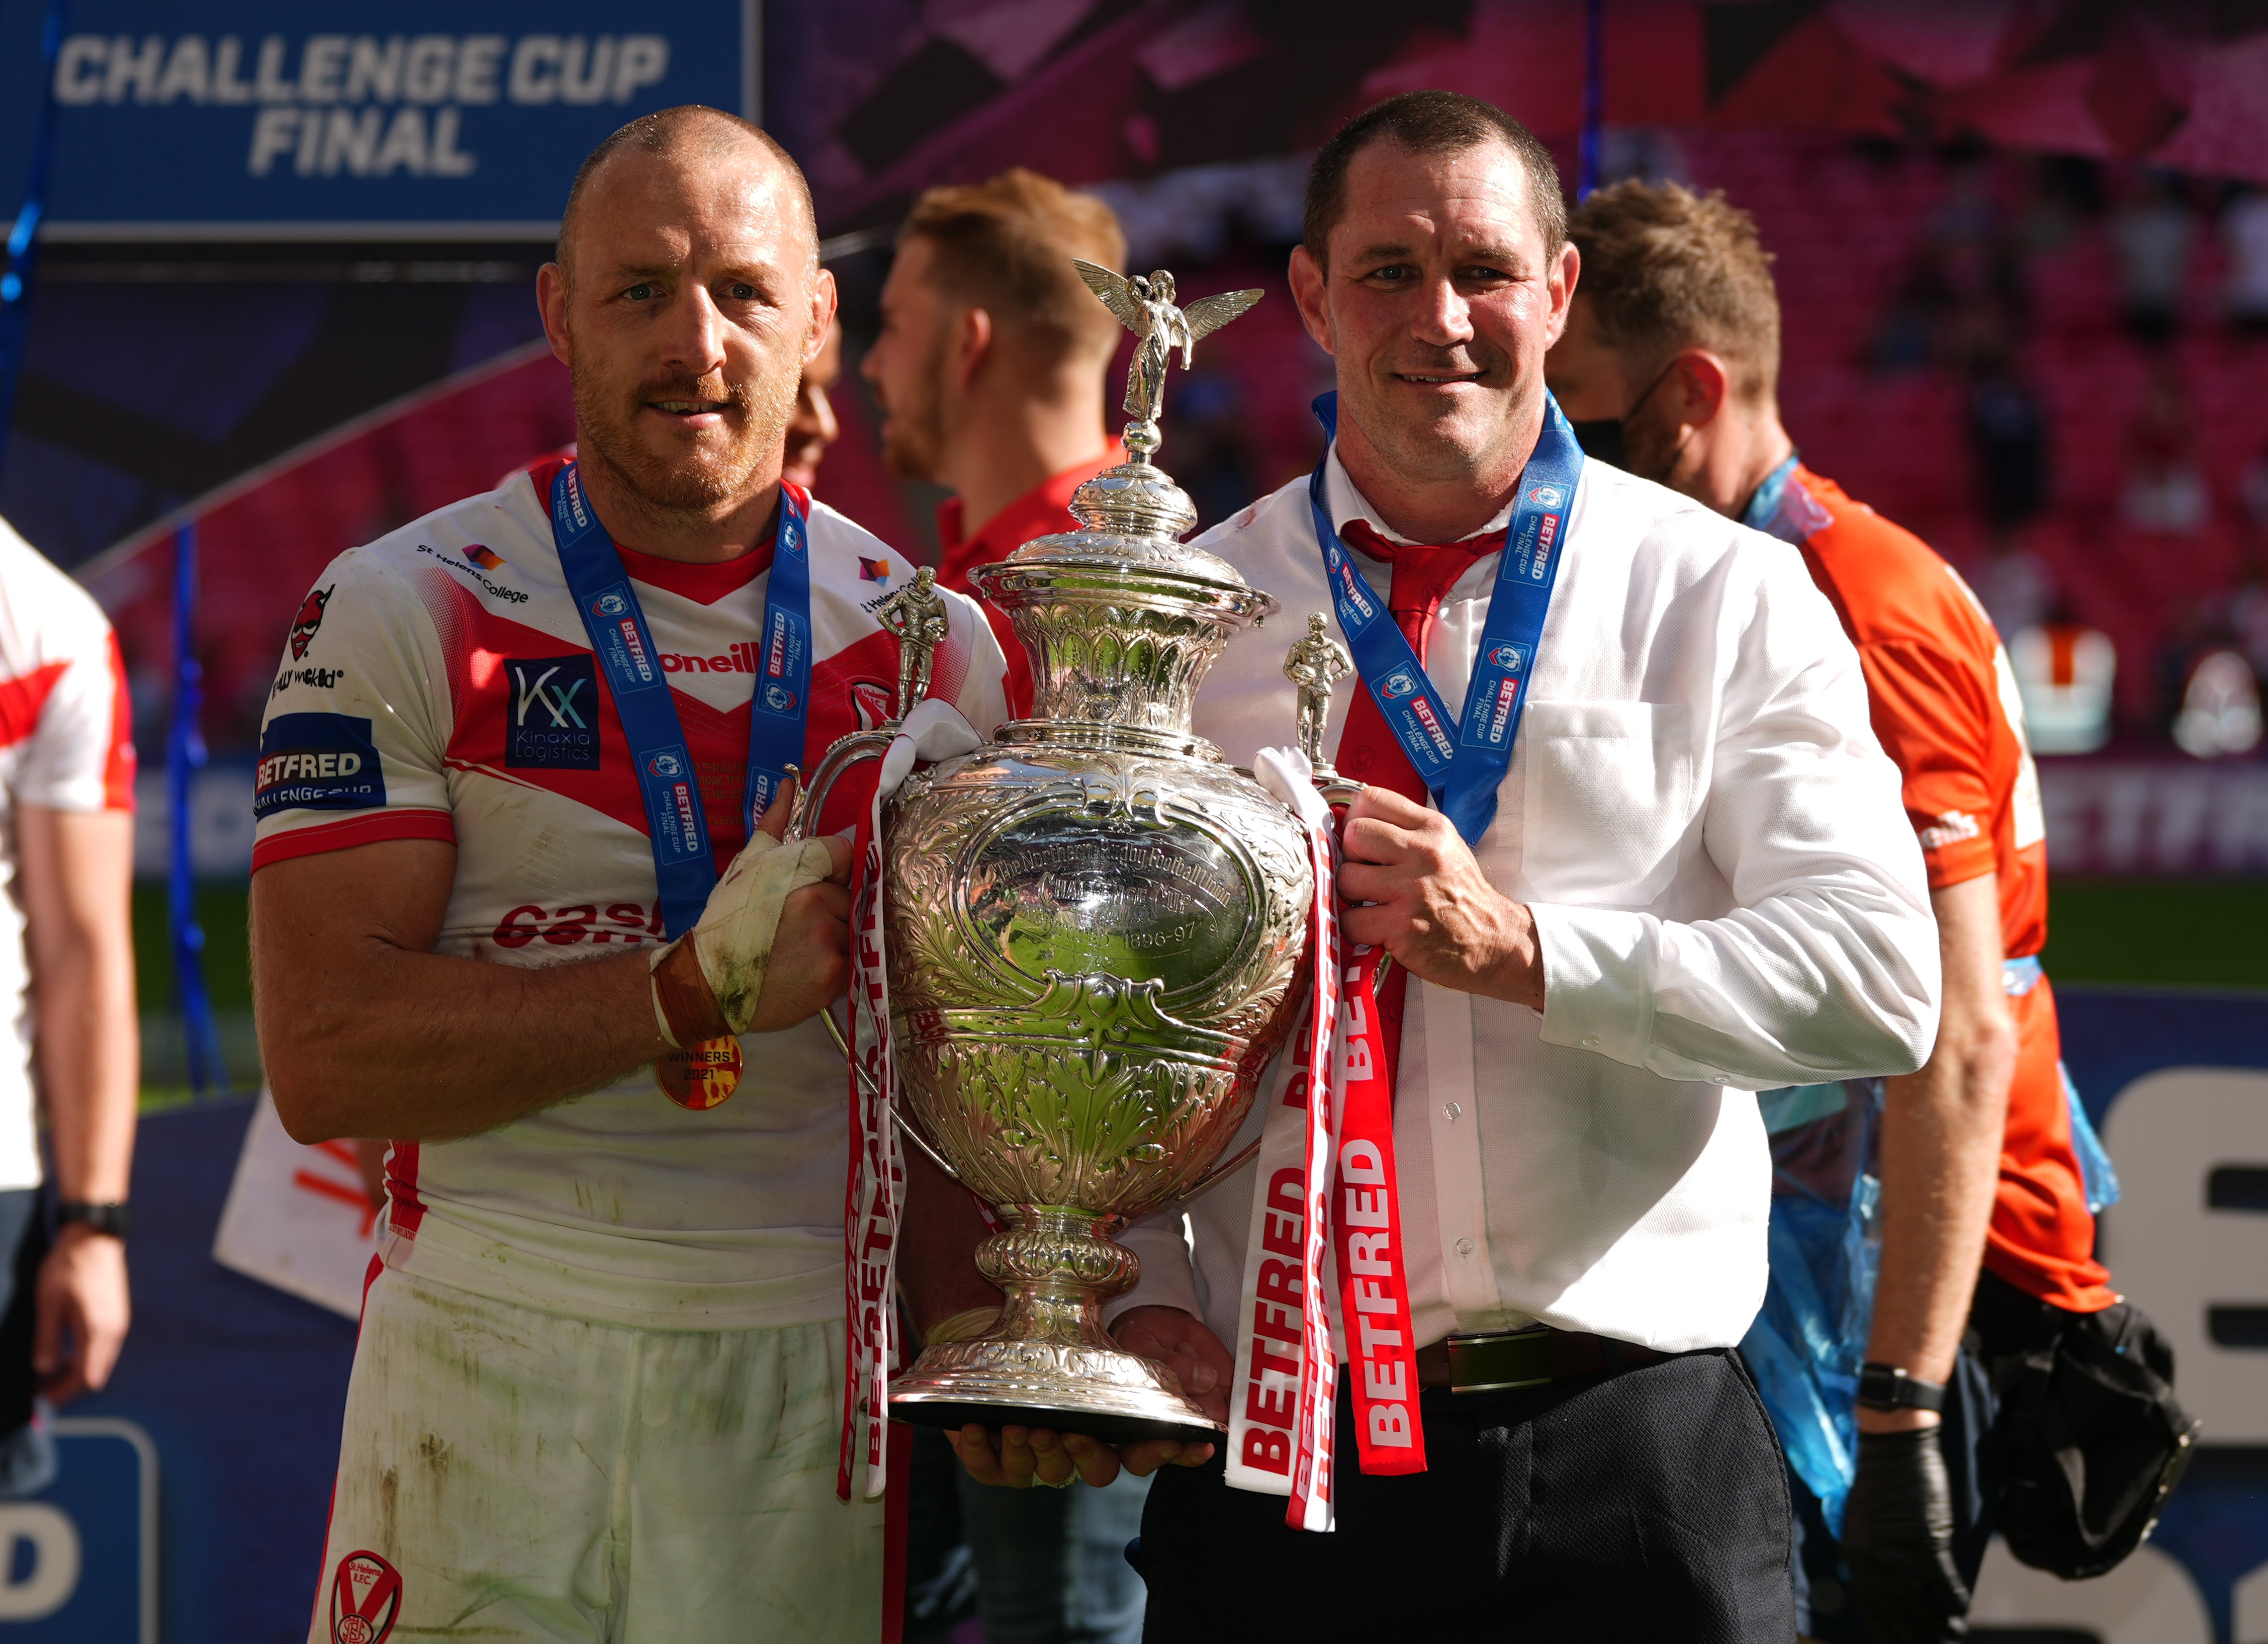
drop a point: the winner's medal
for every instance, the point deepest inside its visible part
(701, 1076)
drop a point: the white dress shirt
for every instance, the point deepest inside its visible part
(1726, 894)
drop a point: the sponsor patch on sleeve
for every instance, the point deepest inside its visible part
(323, 762)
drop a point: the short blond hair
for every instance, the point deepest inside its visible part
(1005, 246)
(1665, 269)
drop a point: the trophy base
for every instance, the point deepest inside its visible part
(1116, 1396)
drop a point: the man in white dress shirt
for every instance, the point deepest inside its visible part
(1694, 880)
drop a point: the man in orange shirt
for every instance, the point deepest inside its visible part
(1669, 367)
(990, 369)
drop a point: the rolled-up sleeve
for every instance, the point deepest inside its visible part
(1826, 965)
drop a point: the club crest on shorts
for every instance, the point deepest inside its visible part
(366, 1599)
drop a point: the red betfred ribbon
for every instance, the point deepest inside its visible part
(1326, 1183)
(1382, 1345)
(874, 1197)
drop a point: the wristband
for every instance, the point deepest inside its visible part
(685, 1007)
(1887, 1387)
(108, 1216)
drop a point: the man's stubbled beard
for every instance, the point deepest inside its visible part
(913, 436)
(703, 475)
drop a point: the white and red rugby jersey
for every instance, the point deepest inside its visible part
(439, 684)
(67, 744)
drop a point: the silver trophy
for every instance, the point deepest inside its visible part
(1093, 926)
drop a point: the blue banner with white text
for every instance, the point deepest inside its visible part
(412, 118)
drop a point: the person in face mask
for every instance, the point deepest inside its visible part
(1669, 367)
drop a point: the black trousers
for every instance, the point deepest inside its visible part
(1649, 1506)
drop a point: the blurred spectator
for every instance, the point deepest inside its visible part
(2252, 490)
(2244, 230)
(2008, 438)
(2151, 235)
(1906, 339)
(2063, 672)
(1649, 153)
(2164, 488)
(812, 427)
(71, 1067)
(2220, 709)
(1214, 462)
(2017, 587)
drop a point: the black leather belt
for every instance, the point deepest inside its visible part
(1533, 1357)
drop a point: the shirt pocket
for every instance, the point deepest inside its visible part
(1610, 797)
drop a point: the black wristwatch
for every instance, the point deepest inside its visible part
(111, 1216)
(1887, 1387)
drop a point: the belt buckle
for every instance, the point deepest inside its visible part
(1500, 1361)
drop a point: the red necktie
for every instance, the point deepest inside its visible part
(1369, 751)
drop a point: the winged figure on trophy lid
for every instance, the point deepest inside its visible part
(1146, 307)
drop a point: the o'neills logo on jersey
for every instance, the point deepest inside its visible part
(1439, 738)
(366, 1599)
(739, 658)
(324, 762)
(553, 720)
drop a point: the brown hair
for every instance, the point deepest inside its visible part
(689, 128)
(1429, 122)
(1005, 246)
(1665, 269)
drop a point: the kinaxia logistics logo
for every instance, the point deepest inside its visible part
(309, 619)
(554, 723)
(321, 761)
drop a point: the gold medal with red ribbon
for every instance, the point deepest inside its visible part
(700, 1076)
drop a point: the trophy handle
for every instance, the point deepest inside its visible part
(905, 1126)
(810, 802)
(846, 751)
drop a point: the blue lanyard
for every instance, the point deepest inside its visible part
(1464, 775)
(1764, 508)
(683, 869)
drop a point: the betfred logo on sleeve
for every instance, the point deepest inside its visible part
(553, 723)
(322, 761)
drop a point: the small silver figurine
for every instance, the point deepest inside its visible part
(1146, 307)
(1315, 664)
(915, 614)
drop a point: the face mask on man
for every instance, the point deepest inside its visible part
(1602, 437)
